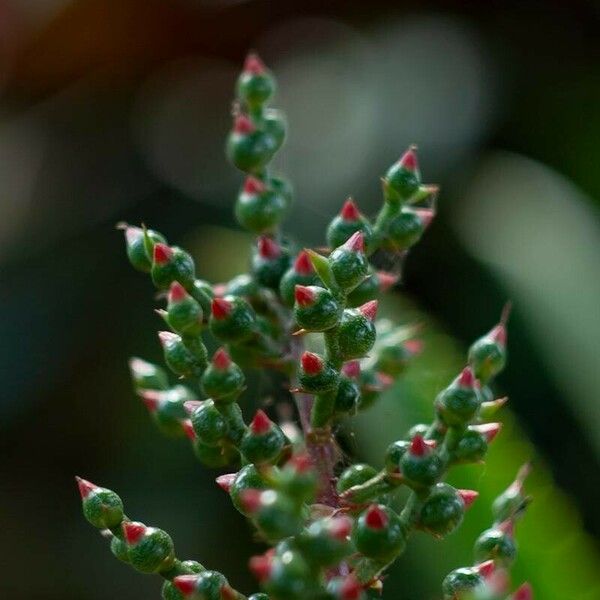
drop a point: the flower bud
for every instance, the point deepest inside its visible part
(269, 262)
(179, 358)
(222, 380)
(406, 228)
(259, 208)
(186, 567)
(169, 264)
(378, 533)
(297, 479)
(403, 178)
(443, 510)
(263, 441)
(184, 314)
(512, 502)
(346, 588)
(232, 319)
(301, 273)
(274, 514)
(166, 408)
(275, 124)
(356, 332)
(136, 246)
(316, 375)
(496, 544)
(248, 148)
(355, 475)
(147, 376)
(209, 424)
(247, 478)
(212, 456)
(101, 507)
(459, 402)
(461, 582)
(348, 262)
(315, 308)
(394, 453)
(347, 397)
(420, 465)
(207, 585)
(256, 84)
(283, 576)
(487, 355)
(347, 223)
(471, 448)
(326, 541)
(150, 549)
(393, 359)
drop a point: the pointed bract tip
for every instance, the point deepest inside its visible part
(191, 405)
(261, 567)
(414, 346)
(161, 254)
(507, 527)
(386, 280)
(311, 363)
(468, 497)
(254, 65)
(488, 430)
(268, 248)
(418, 446)
(303, 266)
(226, 481)
(351, 589)
(85, 487)
(498, 334)
(467, 378)
(186, 584)
(351, 369)
(384, 380)
(250, 500)
(177, 292)
(188, 429)
(220, 308)
(426, 215)
(369, 309)
(151, 399)
(340, 527)
(301, 463)
(303, 295)
(375, 517)
(133, 531)
(523, 592)
(409, 159)
(167, 337)
(228, 593)
(242, 125)
(485, 569)
(253, 185)
(260, 424)
(356, 242)
(350, 211)
(133, 234)
(221, 359)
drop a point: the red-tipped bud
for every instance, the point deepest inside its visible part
(162, 254)
(166, 337)
(188, 429)
(304, 296)
(242, 125)
(355, 243)
(418, 446)
(384, 380)
(228, 593)
(467, 378)
(268, 248)
(485, 569)
(85, 487)
(414, 346)
(261, 424)
(311, 363)
(177, 292)
(220, 308)
(261, 567)
(301, 463)
(303, 266)
(524, 592)
(351, 589)
(426, 215)
(488, 430)
(498, 334)
(253, 185)
(226, 481)
(221, 359)
(409, 159)
(250, 500)
(350, 211)
(186, 584)
(468, 497)
(340, 528)
(386, 280)
(351, 369)
(375, 517)
(254, 65)
(133, 532)
(133, 234)
(191, 405)
(369, 309)
(507, 527)
(151, 398)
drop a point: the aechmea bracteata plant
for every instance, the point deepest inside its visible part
(333, 531)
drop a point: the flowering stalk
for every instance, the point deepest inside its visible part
(332, 534)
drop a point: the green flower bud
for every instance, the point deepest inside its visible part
(139, 258)
(207, 585)
(248, 148)
(275, 515)
(420, 465)
(403, 178)
(315, 309)
(512, 502)
(179, 358)
(232, 319)
(214, 456)
(242, 285)
(459, 402)
(487, 355)
(406, 228)
(269, 262)
(346, 588)
(246, 479)
(443, 510)
(496, 544)
(187, 567)
(101, 507)
(284, 576)
(393, 455)
(473, 445)
(263, 441)
(316, 375)
(348, 263)
(119, 549)
(222, 380)
(460, 582)
(378, 533)
(356, 332)
(297, 479)
(256, 84)
(347, 397)
(393, 359)
(150, 550)
(347, 223)
(275, 124)
(208, 423)
(326, 541)
(258, 207)
(166, 408)
(147, 376)
(169, 264)
(184, 314)
(301, 273)
(355, 475)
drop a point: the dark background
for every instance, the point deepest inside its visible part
(117, 110)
